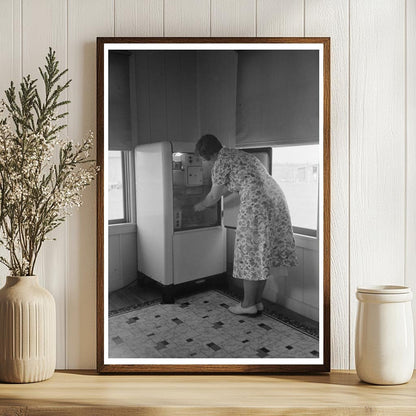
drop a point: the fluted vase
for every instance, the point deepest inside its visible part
(27, 331)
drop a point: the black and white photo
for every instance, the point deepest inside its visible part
(213, 205)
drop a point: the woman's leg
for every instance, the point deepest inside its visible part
(260, 289)
(251, 288)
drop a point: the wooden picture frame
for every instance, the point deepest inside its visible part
(139, 108)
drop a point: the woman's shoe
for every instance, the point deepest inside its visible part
(239, 310)
(260, 307)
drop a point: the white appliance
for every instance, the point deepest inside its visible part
(176, 244)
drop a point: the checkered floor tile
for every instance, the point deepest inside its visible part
(200, 326)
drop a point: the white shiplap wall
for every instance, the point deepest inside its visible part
(373, 132)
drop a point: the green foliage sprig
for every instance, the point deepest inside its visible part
(41, 175)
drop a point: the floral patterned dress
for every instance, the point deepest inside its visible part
(264, 236)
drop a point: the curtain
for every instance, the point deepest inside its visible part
(119, 109)
(277, 98)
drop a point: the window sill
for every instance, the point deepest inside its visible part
(306, 241)
(122, 228)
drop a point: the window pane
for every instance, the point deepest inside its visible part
(115, 186)
(295, 169)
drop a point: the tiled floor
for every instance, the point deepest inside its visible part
(201, 326)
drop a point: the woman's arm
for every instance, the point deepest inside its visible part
(216, 192)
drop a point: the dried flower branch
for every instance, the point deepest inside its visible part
(36, 193)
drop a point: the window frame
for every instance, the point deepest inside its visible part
(127, 183)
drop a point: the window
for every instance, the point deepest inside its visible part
(296, 170)
(117, 185)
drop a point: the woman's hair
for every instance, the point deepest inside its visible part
(207, 146)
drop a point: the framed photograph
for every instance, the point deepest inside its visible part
(213, 222)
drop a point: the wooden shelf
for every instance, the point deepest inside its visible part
(86, 393)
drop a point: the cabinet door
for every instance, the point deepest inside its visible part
(198, 254)
(232, 202)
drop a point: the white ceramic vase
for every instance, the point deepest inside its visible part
(27, 331)
(384, 338)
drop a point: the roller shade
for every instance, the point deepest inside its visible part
(119, 110)
(277, 98)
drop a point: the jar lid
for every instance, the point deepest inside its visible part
(384, 289)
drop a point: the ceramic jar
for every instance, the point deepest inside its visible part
(384, 338)
(27, 331)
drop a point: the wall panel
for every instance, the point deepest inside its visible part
(233, 18)
(36, 40)
(138, 18)
(280, 18)
(331, 18)
(10, 44)
(114, 262)
(10, 65)
(187, 18)
(411, 149)
(310, 278)
(122, 256)
(377, 153)
(87, 20)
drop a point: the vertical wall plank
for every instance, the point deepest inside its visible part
(233, 18)
(114, 262)
(138, 18)
(411, 150)
(280, 18)
(128, 257)
(377, 153)
(331, 18)
(187, 18)
(86, 21)
(10, 66)
(10, 44)
(310, 278)
(294, 285)
(51, 266)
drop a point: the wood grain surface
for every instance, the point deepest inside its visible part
(377, 155)
(339, 393)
